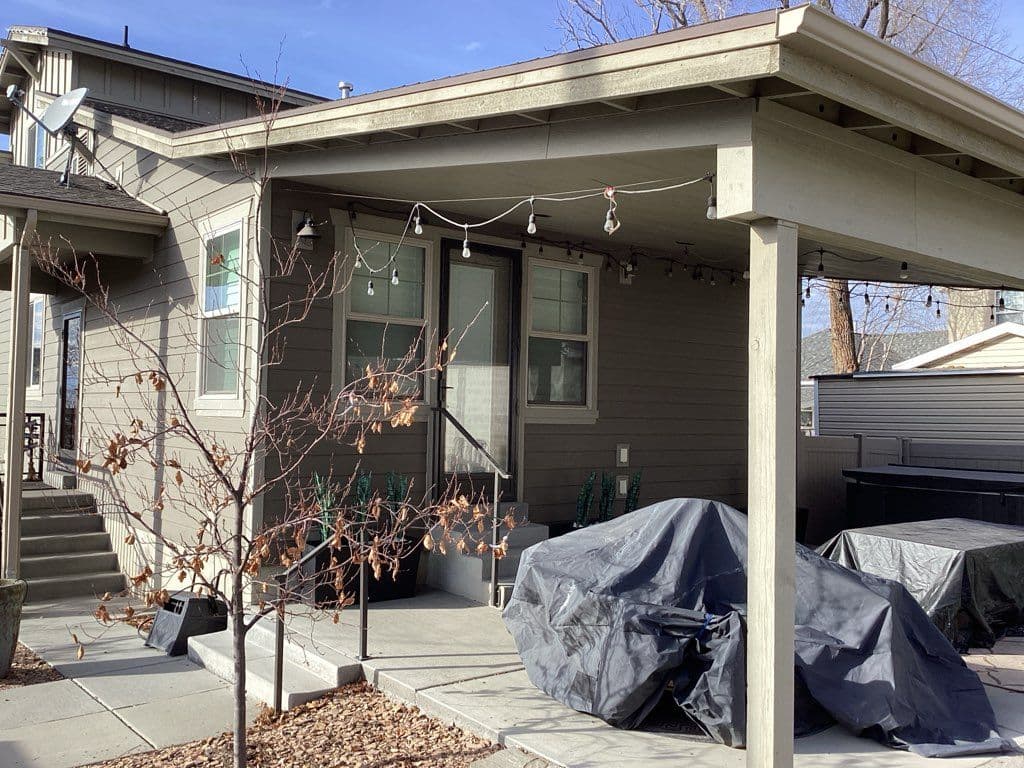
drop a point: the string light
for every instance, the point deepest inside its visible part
(821, 263)
(712, 211)
(992, 314)
(807, 291)
(904, 271)
(466, 253)
(394, 276)
(713, 282)
(418, 228)
(611, 222)
(938, 309)
(928, 301)
(669, 271)
(867, 298)
(369, 287)
(1002, 303)
(531, 222)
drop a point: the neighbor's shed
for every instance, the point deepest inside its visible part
(959, 404)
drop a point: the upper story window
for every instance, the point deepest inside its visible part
(36, 146)
(220, 312)
(34, 379)
(385, 321)
(561, 335)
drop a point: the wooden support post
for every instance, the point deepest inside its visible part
(17, 364)
(772, 428)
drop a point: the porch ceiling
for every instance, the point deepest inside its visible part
(655, 224)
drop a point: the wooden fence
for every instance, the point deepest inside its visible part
(821, 460)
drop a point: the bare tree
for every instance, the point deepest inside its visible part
(157, 457)
(962, 37)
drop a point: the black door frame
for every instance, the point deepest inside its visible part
(483, 482)
(69, 453)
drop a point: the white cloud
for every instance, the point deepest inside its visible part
(473, 45)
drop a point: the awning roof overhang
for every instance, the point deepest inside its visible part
(803, 57)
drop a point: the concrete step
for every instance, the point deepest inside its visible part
(299, 682)
(322, 661)
(53, 499)
(48, 525)
(66, 563)
(96, 541)
(74, 585)
(469, 575)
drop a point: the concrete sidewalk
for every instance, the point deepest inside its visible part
(455, 660)
(121, 697)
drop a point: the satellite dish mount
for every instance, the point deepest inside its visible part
(57, 120)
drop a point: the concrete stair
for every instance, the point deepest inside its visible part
(64, 550)
(469, 576)
(308, 672)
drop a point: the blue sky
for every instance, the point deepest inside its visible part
(374, 45)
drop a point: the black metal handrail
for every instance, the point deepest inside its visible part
(35, 439)
(364, 586)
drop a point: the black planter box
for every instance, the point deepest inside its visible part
(315, 582)
(185, 615)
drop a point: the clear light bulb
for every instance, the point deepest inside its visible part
(712, 212)
(867, 298)
(531, 224)
(417, 227)
(466, 253)
(609, 222)
(821, 268)
(394, 276)
(928, 301)
(807, 291)
(904, 271)
(369, 287)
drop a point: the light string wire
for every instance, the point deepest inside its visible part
(863, 288)
(412, 221)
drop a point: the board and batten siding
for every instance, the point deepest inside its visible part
(671, 383)
(956, 405)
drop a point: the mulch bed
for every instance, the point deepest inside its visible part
(354, 726)
(28, 669)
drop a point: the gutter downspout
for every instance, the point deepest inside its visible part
(21, 268)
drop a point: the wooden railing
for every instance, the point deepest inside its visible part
(35, 438)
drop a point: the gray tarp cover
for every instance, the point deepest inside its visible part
(606, 617)
(956, 569)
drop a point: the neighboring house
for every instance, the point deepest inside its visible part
(585, 362)
(972, 389)
(879, 352)
(1001, 346)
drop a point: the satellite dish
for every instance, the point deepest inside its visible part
(61, 110)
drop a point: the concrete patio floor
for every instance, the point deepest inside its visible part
(120, 698)
(455, 660)
(450, 657)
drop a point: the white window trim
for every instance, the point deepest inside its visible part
(35, 391)
(343, 312)
(534, 413)
(222, 403)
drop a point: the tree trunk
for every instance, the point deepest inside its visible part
(844, 343)
(238, 648)
(238, 637)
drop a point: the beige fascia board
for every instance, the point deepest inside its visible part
(735, 55)
(89, 215)
(837, 60)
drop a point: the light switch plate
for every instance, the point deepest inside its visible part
(622, 455)
(621, 486)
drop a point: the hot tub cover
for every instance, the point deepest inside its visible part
(968, 575)
(607, 617)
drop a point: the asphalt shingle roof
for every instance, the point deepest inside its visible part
(163, 122)
(36, 183)
(881, 351)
